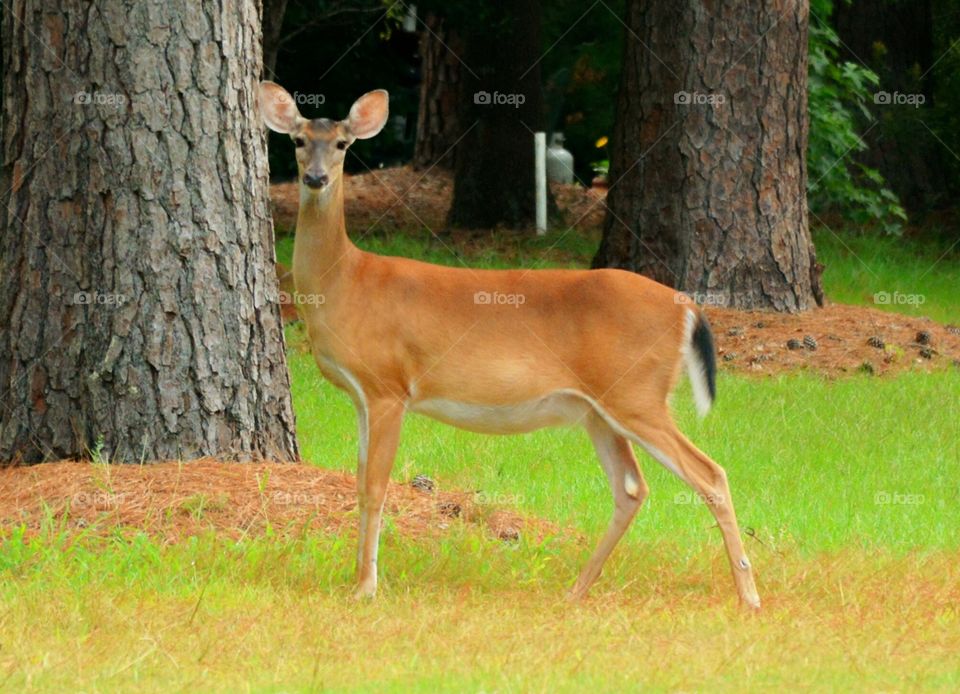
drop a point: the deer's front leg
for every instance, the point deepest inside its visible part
(383, 429)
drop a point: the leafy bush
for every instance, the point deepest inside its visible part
(839, 92)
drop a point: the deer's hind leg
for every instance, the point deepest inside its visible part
(629, 490)
(669, 446)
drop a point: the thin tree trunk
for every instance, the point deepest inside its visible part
(138, 300)
(273, 14)
(708, 168)
(438, 124)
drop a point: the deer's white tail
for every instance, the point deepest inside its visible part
(700, 357)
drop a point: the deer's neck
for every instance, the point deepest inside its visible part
(322, 252)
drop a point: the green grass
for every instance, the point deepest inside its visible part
(847, 488)
(892, 274)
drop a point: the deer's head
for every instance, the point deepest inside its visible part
(322, 143)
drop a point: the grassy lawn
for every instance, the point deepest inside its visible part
(919, 279)
(848, 489)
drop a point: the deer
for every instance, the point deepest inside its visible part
(493, 351)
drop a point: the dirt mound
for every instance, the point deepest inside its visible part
(845, 339)
(173, 500)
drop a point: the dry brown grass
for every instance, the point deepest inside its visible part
(852, 621)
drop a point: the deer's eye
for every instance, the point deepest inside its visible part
(298, 142)
(341, 144)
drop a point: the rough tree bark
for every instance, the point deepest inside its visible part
(494, 173)
(137, 290)
(438, 125)
(708, 166)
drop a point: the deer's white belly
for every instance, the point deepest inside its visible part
(556, 409)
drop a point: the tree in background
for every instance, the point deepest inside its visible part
(286, 20)
(708, 166)
(912, 47)
(332, 51)
(438, 115)
(842, 124)
(137, 287)
(580, 63)
(501, 106)
(274, 12)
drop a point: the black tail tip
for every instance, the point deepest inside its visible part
(702, 341)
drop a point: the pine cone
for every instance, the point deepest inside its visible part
(794, 344)
(923, 338)
(423, 483)
(450, 509)
(876, 341)
(809, 342)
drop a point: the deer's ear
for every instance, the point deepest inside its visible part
(368, 114)
(278, 108)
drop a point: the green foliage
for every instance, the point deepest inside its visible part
(581, 74)
(601, 167)
(945, 74)
(839, 92)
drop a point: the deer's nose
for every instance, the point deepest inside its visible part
(315, 181)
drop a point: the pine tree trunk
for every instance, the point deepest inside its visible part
(438, 125)
(708, 169)
(494, 173)
(137, 291)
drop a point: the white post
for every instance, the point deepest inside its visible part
(540, 169)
